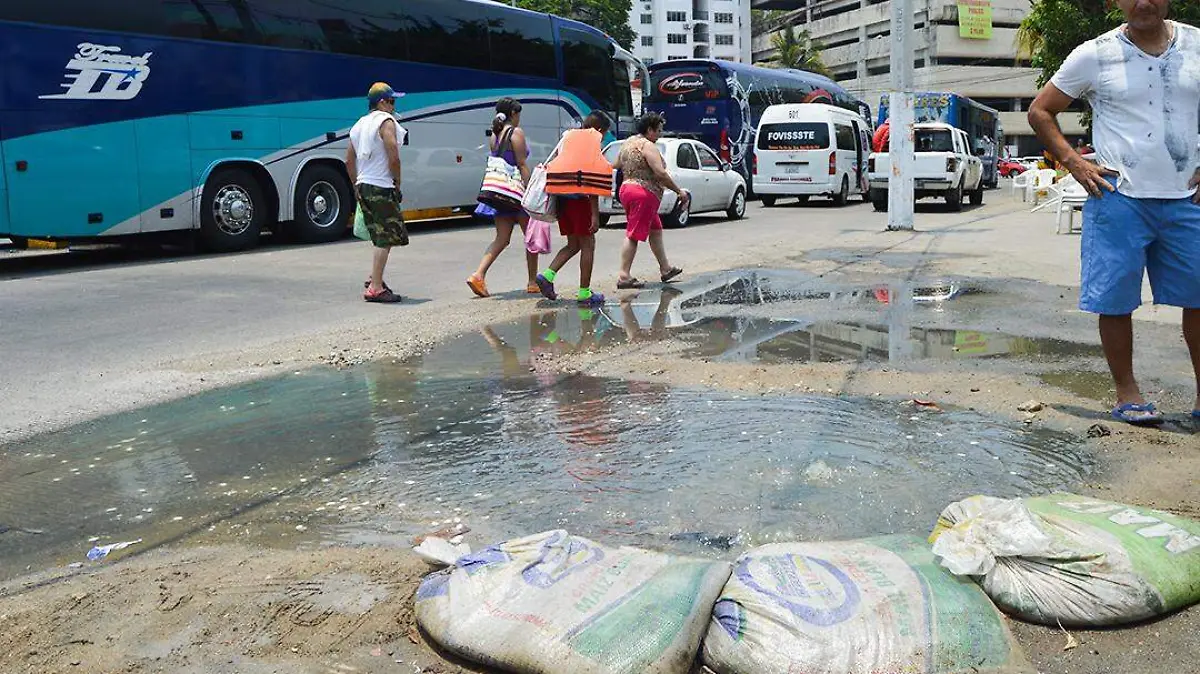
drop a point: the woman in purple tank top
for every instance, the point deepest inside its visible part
(508, 141)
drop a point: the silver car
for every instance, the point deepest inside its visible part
(714, 185)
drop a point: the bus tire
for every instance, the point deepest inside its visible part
(737, 207)
(768, 200)
(323, 205)
(233, 211)
(843, 195)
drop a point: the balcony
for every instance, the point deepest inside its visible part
(700, 35)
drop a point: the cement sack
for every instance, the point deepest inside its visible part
(855, 607)
(556, 603)
(1072, 560)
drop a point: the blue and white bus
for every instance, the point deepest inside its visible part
(230, 117)
(720, 102)
(981, 123)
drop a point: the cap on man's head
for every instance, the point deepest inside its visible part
(381, 91)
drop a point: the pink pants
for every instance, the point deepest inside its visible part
(641, 211)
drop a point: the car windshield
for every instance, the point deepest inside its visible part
(934, 140)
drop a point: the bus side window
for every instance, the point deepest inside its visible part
(523, 45)
(211, 20)
(447, 33)
(587, 62)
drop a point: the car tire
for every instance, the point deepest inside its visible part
(737, 207)
(954, 197)
(878, 199)
(604, 219)
(843, 195)
(323, 205)
(976, 196)
(768, 200)
(680, 216)
(233, 211)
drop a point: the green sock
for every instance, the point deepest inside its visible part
(550, 274)
(585, 293)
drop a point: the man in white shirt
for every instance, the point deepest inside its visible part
(1143, 83)
(373, 163)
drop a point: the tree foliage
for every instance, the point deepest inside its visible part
(798, 49)
(610, 16)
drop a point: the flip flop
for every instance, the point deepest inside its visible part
(546, 287)
(477, 286)
(1151, 418)
(671, 274)
(384, 296)
(630, 284)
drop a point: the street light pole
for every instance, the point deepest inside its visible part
(900, 102)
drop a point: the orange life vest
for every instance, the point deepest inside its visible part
(580, 168)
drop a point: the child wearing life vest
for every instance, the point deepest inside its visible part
(578, 212)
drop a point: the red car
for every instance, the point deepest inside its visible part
(1009, 168)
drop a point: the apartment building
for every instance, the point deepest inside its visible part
(856, 36)
(671, 30)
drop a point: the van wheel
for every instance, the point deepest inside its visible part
(878, 199)
(768, 201)
(954, 197)
(843, 194)
(232, 211)
(323, 205)
(737, 207)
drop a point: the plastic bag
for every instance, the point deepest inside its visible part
(553, 602)
(360, 225)
(1072, 560)
(537, 237)
(538, 204)
(855, 607)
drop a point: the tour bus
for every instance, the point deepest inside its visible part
(230, 117)
(811, 149)
(981, 123)
(720, 102)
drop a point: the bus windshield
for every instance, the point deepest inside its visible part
(686, 84)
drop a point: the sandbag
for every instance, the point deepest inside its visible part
(556, 603)
(1072, 560)
(855, 607)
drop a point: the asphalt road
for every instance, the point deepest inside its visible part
(80, 330)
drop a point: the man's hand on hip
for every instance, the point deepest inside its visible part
(1193, 184)
(1090, 176)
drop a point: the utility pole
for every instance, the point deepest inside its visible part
(900, 112)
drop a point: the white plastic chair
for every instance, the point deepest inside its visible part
(1043, 180)
(1072, 196)
(1022, 181)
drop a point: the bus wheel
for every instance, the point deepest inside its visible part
(324, 205)
(843, 194)
(768, 200)
(232, 211)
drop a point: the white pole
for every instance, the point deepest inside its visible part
(900, 100)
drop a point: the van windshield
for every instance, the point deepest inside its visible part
(794, 136)
(934, 140)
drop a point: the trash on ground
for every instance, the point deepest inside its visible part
(440, 552)
(925, 404)
(1098, 431)
(1031, 406)
(718, 541)
(855, 607)
(101, 551)
(1072, 560)
(4, 528)
(444, 533)
(553, 602)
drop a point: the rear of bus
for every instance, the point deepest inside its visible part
(694, 97)
(795, 151)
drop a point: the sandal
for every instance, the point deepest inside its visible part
(630, 284)
(367, 284)
(533, 289)
(385, 296)
(546, 287)
(477, 286)
(1128, 413)
(671, 274)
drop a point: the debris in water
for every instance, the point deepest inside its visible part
(926, 404)
(818, 472)
(101, 551)
(1031, 406)
(718, 541)
(4, 528)
(1098, 431)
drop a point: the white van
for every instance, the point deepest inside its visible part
(806, 149)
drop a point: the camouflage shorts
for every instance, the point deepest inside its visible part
(382, 215)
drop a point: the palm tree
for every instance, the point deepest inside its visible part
(798, 50)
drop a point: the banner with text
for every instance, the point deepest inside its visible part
(975, 19)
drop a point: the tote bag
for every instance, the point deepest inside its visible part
(502, 187)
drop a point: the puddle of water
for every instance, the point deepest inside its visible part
(479, 432)
(1085, 384)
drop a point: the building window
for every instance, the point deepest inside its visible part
(677, 16)
(677, 38)
(647, 41)
(725, 40)
(647, 19)
(722, 17)
(676, 58)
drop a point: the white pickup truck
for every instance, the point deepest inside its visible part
(944, 167)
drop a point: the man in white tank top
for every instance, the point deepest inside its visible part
(373, 162)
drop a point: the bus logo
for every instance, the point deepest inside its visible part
(99, 72)
(682, 83)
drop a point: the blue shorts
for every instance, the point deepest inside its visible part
(1125, 238)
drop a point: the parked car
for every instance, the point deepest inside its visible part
(714, 185)
(1011, 167)
(808, 149)
(944, 167)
